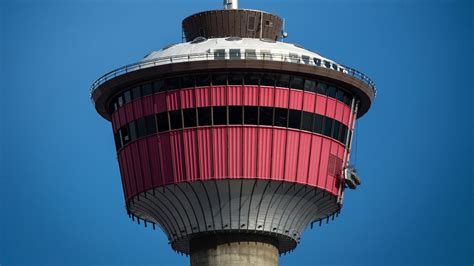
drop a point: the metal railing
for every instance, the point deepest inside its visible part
(291, 58)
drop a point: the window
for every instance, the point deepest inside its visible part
(189, 117)
(235, 115)
(347, 99)
(340, 95)
(203, 80)
(141, 128)
(172, 84)
(266, 116)
(310, 85)
(266, 55)
(158, 86)
(220, 115)
(219, 54)
(147, 89)
(317, 124)
(150, 124)
(281, 117)
(317, 61)
(267, 80)
(219, 79)
(252, 79)
(335, 132)
(307, 121)
(294, 119)
(321, 89)
(187, 82)
(250, 115)
(283, 81)
(176, 120)
(127, 97)
(305, 59)
(136, 93)
(327, 64)
(327, 126)
(234, 54)
(297, 83)
(250, 54)
(133, 130)
(204, 116)
(334, 66)
(294, 58)
(162, 121)
(124, 135)
(343, 135)
(235, 79)
(332, 92)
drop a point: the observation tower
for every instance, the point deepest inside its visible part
(233, 142)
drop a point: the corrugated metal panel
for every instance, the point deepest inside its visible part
(331, 108)
(165, 156)
(137, 109)
(203, 96)
(309, 102)
(303, 158)
(115, 122)
(323, 164)
(315, 156)
(190, 153)
(124, 175)
(145, 163)
(205, 153)
(122, 118)
(234, 95)
(147, 103)
(218, 95)
(154, 159)
(321, 104)
(177, 157)
(266, 96)
(129, 112)
(129, 170)
(250, 95)
(296, 99)
(346, 115)
(137, 166)
(235, 152)
(219, 137)
(159, 102)
(278, 153)
(281, 97)
(187, 98)
(264, 152)
(339, 112)
(291, 156)
(173, 101)
(250, 151)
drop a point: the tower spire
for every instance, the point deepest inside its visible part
(231, 4)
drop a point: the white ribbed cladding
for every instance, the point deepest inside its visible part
(250, 206)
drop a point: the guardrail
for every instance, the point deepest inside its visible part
(291, 58)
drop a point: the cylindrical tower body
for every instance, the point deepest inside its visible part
(233, 136)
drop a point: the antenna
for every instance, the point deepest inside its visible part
(231, 4)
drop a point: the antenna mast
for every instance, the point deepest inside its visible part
(231, 4)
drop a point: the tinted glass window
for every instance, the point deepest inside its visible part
(283, 81)
(250, 54)
(347, 99)
(235, 115)
(127, 97)
(310, 85)
(234, 53)
(317, 124)
(294, 58)
(147, 89)
(297, 83)
(150, 124)
(266, 116)
(317, 61)
(342, 137)
(189, 116)
(305, 59)
(252, 79)
(335, 132)
(187, 81)
(340, 95)
(141, 127)
(219, 79)
(322, 87)
(235, 79)
(125, 135)
(332, 92)
(172, 84)
(220, 115)
(281, 117)
(327, 64)
(158, 86)
(268, 80)
(133, 130)
(203, 80)
(219, 54)
(266, 55)
(204, 116)
(176, 120)
(250, 115)
(294, 119)
(307, 122)
(162, 121)
(327, 126)
(136, 93)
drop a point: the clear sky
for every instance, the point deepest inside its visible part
(61, 196)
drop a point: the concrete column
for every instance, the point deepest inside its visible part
(234, 250)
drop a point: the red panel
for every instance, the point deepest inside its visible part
(331, 108)
(235, 152)
(218, 95)
(177, 155)
(264, 152)
(315, 155)
(278, 154)
(159, 102)
(303, 158)
(250, 151)
(234, 95)
(205, 153)
(203, 96)
(115, 122)
(266, 96)
(346, 115)
(190, 154)
(281, 97)
(323, 164)
(122, 119)
(147, 103)
(251, 95)
(154, 159)
(137, 108)
(309, 102)
(291, 155)
(339, 111)
(137, 166)
(296, 99)
(321, 104)
(145, 163)
(123, 173)
(219, 137)
(129, 170)
(173, 101)
(129, 112)
(165, 156)
(187, 98)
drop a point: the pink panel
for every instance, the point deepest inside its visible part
(323, 165)
(235, 152)
(165, 156)
(137, 109)
(147, 103)
(291, 155)
(190, 153)
(187, 98)
(278, 154)
(129, 170)
(129, 112)
(296, 99)
(309, 101)
(173, 101)
(122, 119)
(339, 111)
(137, 166)
(334, 147)
(145, 163)
(115, 122)
(234, 95)
(264, 152)
(340, 151)
(218, 95)
(251, 95)
(154, 159)
(321, 104)
(303, 158)
(346, 115)
(203, 96)
(331, 108)
(123, 173)
(177, 155)
(159, 102)
(315, 156)
(250, 151)
(281, 97)
(205, 153)
(266, 96)
(219, 138)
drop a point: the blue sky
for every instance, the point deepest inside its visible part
(61, 197)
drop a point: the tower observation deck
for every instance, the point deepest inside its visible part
(233, 137)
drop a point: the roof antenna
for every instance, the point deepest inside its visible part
(231, 4)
